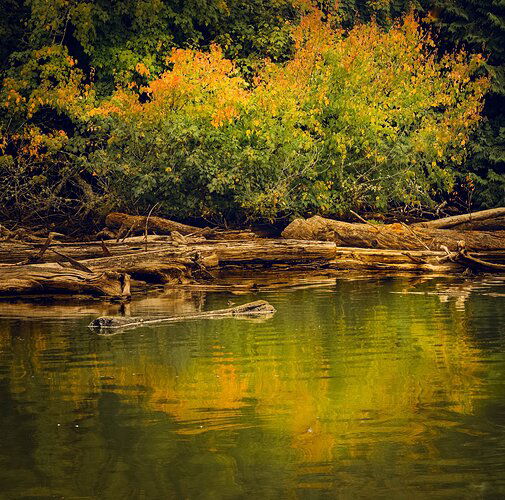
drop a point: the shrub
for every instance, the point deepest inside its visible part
(365, 118)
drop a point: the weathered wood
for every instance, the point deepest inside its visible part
(412, 261)
(269, 251)
(21, 252)
(30, 279)
(391, 236)
(485, 219)
(477, 262)
(495, 224)
(257, 308)
(179, 263)
(135, 224)
(161, 266)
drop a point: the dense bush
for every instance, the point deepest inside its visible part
(133, 104)
(479, 25)
(368, 118)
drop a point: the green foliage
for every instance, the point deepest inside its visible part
(369, 119)
(292, 135)
(480, 26)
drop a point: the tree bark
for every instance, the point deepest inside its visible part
(391, 236)
(257, 308)
(135, 224)
(483, 220)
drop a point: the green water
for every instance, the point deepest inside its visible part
(357, 389)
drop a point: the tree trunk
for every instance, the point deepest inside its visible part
(135, 224)
(21, 280)
(174, 263)
(492, 219)
(391, 236)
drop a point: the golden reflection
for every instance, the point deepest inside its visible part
(370, 375)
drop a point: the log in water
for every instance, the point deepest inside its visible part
(257, 308)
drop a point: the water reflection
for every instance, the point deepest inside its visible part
(361, 389)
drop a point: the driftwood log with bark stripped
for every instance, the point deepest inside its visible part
(485, 220)
(12, 252)
(392, 236)
(170, 264)
(251, 309)
(22, 280)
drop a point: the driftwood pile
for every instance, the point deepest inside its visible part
(157, 250)
(475, 240)
(106, 267)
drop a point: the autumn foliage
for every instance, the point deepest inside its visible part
(366, 118)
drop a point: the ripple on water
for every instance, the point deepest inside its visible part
(367, 388)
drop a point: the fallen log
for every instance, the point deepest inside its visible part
(135, 224)
(495, 224)
(179, 263)
(411, 261)
(260, 251)
(476, 262)
(257, 308)
(12, 252)
(484, 220)
(176, 264)
(391, 236)
(37, 279)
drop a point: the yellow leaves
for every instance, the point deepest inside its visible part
(201, 83)
(142, 69)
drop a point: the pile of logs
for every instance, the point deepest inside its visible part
(471, 241)
(105, 267)
(157, 250)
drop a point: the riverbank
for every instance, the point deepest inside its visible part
(133, 252)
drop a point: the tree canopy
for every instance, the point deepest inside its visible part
(257, 108)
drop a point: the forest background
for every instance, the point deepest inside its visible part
(250, 110)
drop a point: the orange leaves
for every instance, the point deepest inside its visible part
(142, 69)
(364, 117)
(12, 97)
(203, 84)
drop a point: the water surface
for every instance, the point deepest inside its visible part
(367, 388)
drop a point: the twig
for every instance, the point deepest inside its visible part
(414, 259)
(365, 221)
(465, 256)
(416, 237)
(128, 232)
(147, 222)
(75, 263)
(105, 250)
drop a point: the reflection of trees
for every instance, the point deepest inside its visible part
(356, 376)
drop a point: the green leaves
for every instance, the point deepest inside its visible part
(372, 118)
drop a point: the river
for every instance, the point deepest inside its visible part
(360, 388)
